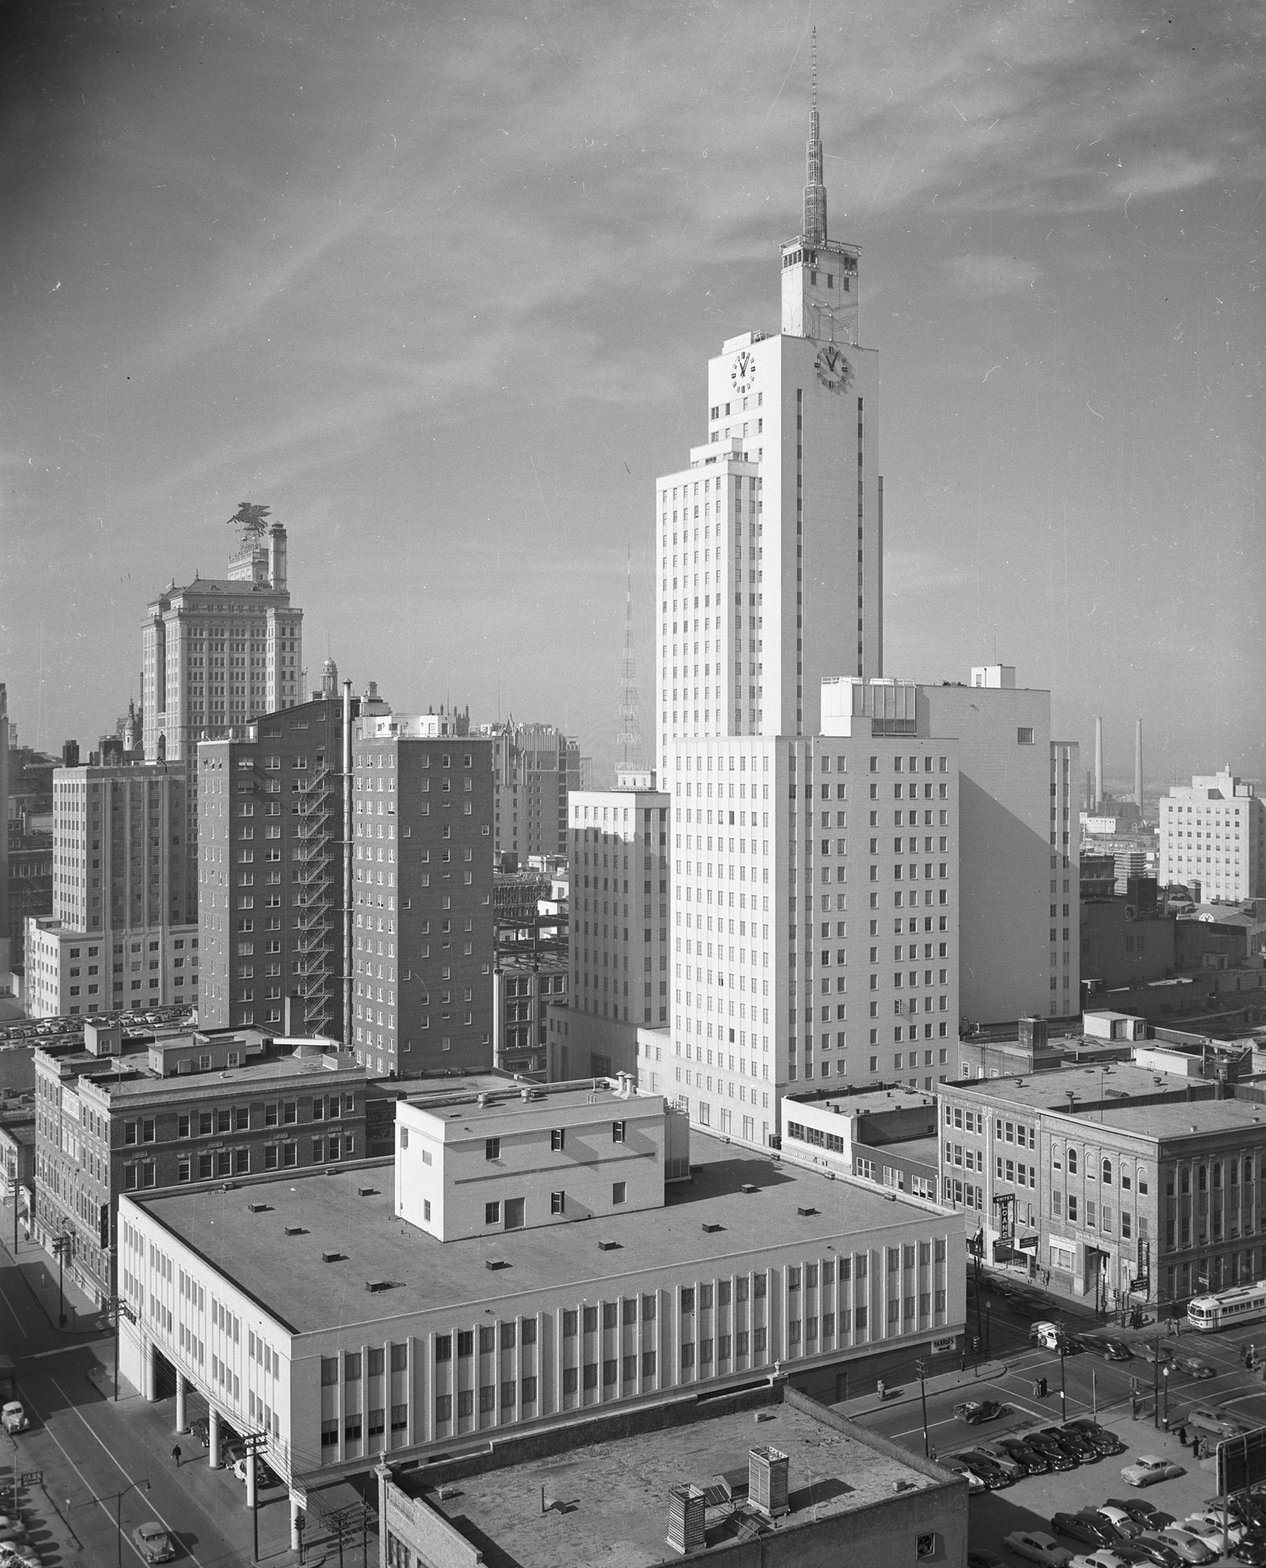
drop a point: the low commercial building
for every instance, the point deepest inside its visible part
(1123, 1184)
(523, 992)
(597, 1263)
(768, 1478)
(886, 1135)
(111, 1118)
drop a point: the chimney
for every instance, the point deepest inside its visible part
(685, 1518)
(1033, 1033)
(767, 1481)
(1097, 803)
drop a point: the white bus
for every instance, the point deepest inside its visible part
(1225, 1308)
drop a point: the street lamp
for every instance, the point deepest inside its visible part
(921, 1371)
(117, 1499)
(1063, 1379)
(1165, 1371)
(118, 1307)
(61, 1250)
(1156, 1380)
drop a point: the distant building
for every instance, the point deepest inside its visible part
(422, 935)
(1213, 833)
(770, 1475)
(221, 650)
(619, 901)
(190, 1108)
(524, 991)
(535, 767)
(1001, 1050)
(695, 1268)
(123, 932)
(885, 1135)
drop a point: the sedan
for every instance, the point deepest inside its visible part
(1037, 1547)
(1148, 1514)
(974, 1411)
(1106, 1442)
(1080, 1444)
(1194, 1367)
(1207, 1529)
(989, 1470)
(153, 1543)
(1120, 1521)
(1084, 1527)
(1151, 1351)
(1055, 1454)
(1190, 1548)
(1252, 1550)
(983, 1559)
(264, 1475)
(1149, 1468)
(1033, 1462)
(1157, 1549)
(957, 1466)
(1113, 1349)
(1003, 1458)
(1103, 1558)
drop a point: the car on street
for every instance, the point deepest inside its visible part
(1193, 1366)
(1035, 1546)
(1190, 1548)
(1105, 1441)
(1151, 1351)
(974, 1411)
(1113, 1349)
(1088, 1527)
(13, 1417)
(1147, 1469)
(153, 1542)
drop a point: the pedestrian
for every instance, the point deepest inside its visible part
(1037, 1388)
(1042, 1388)
(175, 1455)
(881, 1388)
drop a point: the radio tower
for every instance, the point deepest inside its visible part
(630, 737)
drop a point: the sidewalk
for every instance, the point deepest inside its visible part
(910, 1389)
(39, 1272)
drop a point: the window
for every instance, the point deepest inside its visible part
(1024, 736)
(619, 1192)
(492, 1148)
(556, 1139)
(492, 1213)
(617, 1132)
(557, 1202)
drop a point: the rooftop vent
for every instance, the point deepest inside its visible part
(495, 1263)
(711, 1227)
(296, 1230)
(804, 1210)
(228, 1186)
(258, 1208)
(749, 1187)
(366, 1192)
(376, 1285)
(614, 1246)
(333, 1257)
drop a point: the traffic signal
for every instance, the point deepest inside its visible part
(920, 1369)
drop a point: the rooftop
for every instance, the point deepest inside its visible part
(129, 1075)
(1049, 1090)
(866, 1102)
(273, 1236)
(612, 1497)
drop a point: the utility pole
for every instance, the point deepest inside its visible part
(921, 1370)
(254, 1443)
(61, 1249)
(118, 1307)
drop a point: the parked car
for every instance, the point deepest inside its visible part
(1156, 1550)
(974, 1411)
(1079, 1444)
(13, 1416)
(1034, 1463)
(979, 1558)
(1101, 1558)
(264, 1474)
(1004, 1459)
(1036, 1546)
(153, 1543)
(1211, 1532)
(1120, 1521)
(958, 1466)
(1190, 1548)
(1252, 1550)
(989, 1470)
(1105, 1441)
(1150, 1468)
(1088, 1527)
(1057, 1455)
(1148, 1514)
(201, 1431)
(11, 1528)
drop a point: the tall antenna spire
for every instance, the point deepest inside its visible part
(814, 189)
(630, 737)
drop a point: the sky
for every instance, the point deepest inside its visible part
(438, 282)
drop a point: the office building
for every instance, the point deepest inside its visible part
(331, 1311)
(535, 767)
(123, 932)
(422, 934)
(221, 650)
(771, 1475)
(524, 992)
(271, 871)
(113, 1117)
(1213, 837)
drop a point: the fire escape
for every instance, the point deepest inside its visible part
(316, 897)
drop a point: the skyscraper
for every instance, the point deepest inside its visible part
(220, 651)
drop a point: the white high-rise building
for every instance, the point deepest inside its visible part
(1213, 833)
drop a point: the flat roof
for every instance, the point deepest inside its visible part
(613, 1496)
(503, 1097)
(865, 1102)
(135, 1079)
(328, 1211)
(1048, 1090)
(1183, 1118)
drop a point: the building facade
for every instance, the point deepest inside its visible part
(219, 651)
(730, 1275)
(535, 768)
(123, 932)
(271, 872)
(524, 991)
(200, 1107)
(422, 934)
(1213, 836)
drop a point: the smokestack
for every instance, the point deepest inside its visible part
(1098, 800)
(1138, 764)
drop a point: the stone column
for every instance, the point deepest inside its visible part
(213, 1438)
(182, 1394)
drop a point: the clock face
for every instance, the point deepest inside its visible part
(834, 370)
(743, 371)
